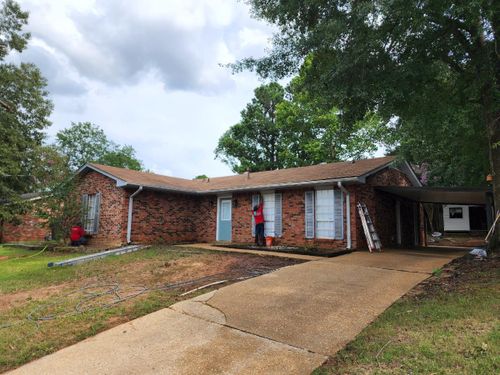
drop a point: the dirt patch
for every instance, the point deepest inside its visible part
(317, 251)
(11, 300)
(156, 272)
(153, 273)
(459, 275)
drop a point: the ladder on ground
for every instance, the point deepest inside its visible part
(371, 235)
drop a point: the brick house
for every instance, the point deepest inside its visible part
(306, 206)
(28, 227)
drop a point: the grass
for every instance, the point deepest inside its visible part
(28, 288)
(22, 340)
(451, 327)
(23, 271)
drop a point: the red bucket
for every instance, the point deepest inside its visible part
(269, 241)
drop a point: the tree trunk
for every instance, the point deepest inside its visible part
(494, 142)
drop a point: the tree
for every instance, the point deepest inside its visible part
(313, 133)
(24, 113)
(60, 205)
(290, 128)
(254, 143)
(201, 177)
(426, 67)
(84, 142)
(121, 156)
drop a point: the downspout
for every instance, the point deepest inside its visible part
(348, 212)
(130, 209)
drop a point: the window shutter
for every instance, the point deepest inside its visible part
(97, 208)
(85, 209)
(255, 201)
(309, 213)
(278, 225)
(338, 211)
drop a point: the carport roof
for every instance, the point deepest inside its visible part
(444, 195)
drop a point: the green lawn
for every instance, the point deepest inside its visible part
(27, 269)
(452, 326)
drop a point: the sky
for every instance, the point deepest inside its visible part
(148, 73)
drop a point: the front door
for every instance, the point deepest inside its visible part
(224, 218)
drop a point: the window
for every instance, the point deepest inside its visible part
(225, 210)
(90, 212)
(456, 213)
(272, 213)
(268, 214)
(324, 214)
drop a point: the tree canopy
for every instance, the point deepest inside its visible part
(84, 142)
(282, 128)
(254, 143)
(429, 69)
(24, 113)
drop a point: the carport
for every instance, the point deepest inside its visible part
(441, 195)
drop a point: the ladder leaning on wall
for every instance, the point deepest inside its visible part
(371, 235)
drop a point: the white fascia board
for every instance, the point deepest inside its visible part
(119, 181)
(412, 176)
(228, 191)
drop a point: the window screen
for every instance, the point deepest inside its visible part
(269, 210)
(90, 212)
(456, 213)
(225, 210)
(324, 214)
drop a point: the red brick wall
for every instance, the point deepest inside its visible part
(171, 217)
(164, 218)
(205, 218)
(389, 177)
(30, 228)
(113, 209)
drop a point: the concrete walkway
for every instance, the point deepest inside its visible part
(285, 322)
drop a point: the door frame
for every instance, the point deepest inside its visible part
(219, 198)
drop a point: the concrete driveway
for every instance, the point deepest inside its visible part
(286, 322)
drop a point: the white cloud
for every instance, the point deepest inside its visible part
(148, 73)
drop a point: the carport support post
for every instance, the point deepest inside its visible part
(421, 218)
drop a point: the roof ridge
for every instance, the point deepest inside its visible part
(252, 173)
(318, 173)
(97, 165)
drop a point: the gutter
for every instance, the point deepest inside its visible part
(130, 209)
(348, 212)
(251, 188)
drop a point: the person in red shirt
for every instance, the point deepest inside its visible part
(258, 215)
(77, 235)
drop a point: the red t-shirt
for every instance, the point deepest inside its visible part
(259, 215)
(76, 233)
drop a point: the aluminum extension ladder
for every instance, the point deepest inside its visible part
(371, 235)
